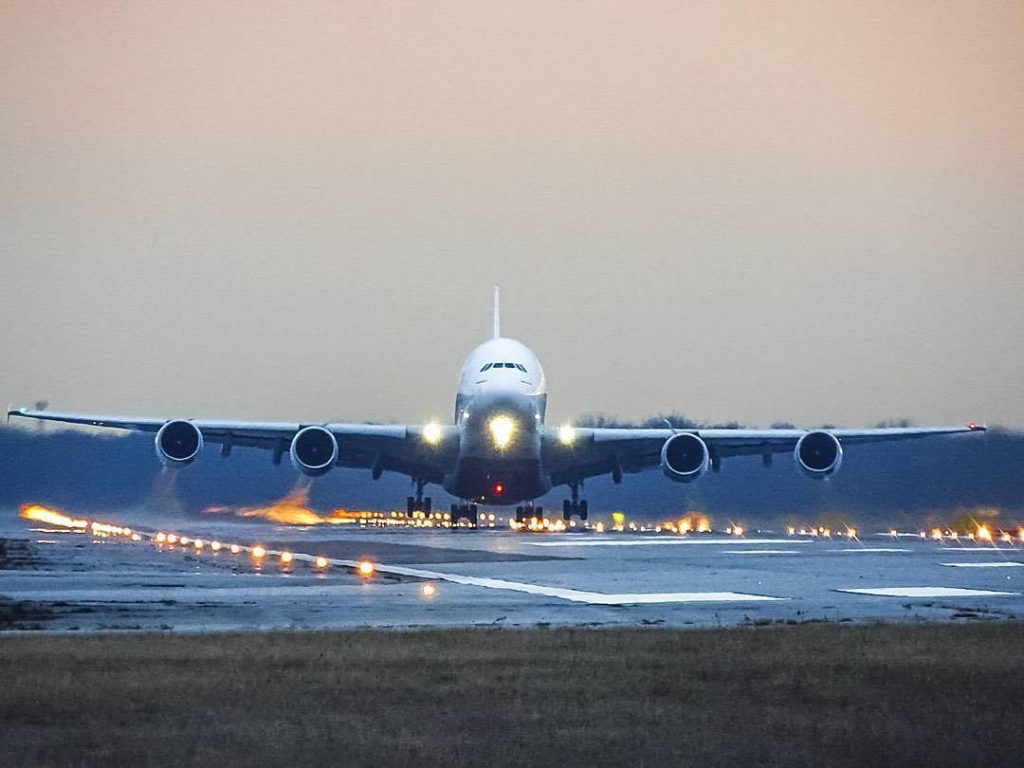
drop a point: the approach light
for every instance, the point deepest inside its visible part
(215, 546)
(502, 429)
(258, 552)
(428, 590)
(286, 557)
(160, 538)
(321, 563)
(366, 568)
(566, 434)
(171, 538)
(235, 549)
(432, 433)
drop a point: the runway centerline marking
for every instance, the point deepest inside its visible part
(760, 552)
(927, 592)
(661, 542)
(574, 595)
(1000, 564)
(870, 549)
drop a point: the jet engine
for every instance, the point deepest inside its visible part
(684, 457)
(818, 454)
(178, 443)
(314, 451)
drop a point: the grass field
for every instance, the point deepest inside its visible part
(803, 695)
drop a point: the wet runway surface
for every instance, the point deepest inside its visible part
(76, 581)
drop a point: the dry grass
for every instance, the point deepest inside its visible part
(803, 695)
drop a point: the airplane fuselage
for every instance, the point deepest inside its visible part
(500, 411)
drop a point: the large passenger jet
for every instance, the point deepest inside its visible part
(498, 449)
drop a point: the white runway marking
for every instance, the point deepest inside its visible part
(977, 550)
(1000, 564)
(657, 542)
(575, 595)
(928, 592)
(870, 549)
(760, 552)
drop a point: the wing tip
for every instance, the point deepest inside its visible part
(976, 427)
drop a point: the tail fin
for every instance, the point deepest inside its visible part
(497, 313)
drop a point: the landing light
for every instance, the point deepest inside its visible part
(428, 590)
(566, 434)
(235, 549)
(320, 562)
(366, 568)
(502, 429)
(286, 557)
(432, 433)
(258, 552)
(215, 546)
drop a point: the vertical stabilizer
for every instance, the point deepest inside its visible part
(497, 313)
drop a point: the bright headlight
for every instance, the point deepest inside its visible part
(432, 433)
(566, 434)
(502, 429)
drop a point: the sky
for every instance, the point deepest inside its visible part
(803, 212)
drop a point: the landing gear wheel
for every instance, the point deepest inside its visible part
(520, 515)
(427, 504)
(410, 506)
(566, 510)
(472, 515)
(584, 510)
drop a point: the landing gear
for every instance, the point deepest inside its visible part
(574, 506)
(417, 503)
(461, 511)
(524, 513)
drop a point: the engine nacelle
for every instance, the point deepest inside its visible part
(684, 457)
(314, 451)
(818, 454)
(178, 443)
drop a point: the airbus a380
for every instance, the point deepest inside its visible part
(498, 449)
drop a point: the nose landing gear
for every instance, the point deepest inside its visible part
(527, 511)
(574, 506)
(467, 511)
(417, 503)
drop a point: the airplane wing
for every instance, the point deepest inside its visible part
(378, 447)
(600, 451)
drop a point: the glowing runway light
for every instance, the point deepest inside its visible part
(984, 534)
(160, 538)
(172, 538)
(235, 549)
(184, 540)
(215, 546)
(198, 544)
(286, 557)
(428, 590)
(136, 537)
(258, 552)
(366, 568)
(321, 563)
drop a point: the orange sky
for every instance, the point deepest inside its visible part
(803, 211)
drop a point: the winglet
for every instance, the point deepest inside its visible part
(975, 427)
(497, 313)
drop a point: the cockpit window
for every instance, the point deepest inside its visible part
(521, 368)
(486, 367)
(510, 365)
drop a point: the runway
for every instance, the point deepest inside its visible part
(78, 581)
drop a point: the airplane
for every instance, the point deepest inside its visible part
(498, 450)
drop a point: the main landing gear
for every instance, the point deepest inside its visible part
(417, 503)
(574, 506)
(460, 511)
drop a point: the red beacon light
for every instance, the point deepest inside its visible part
(499, 488)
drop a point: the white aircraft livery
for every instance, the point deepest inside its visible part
(498, 449)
